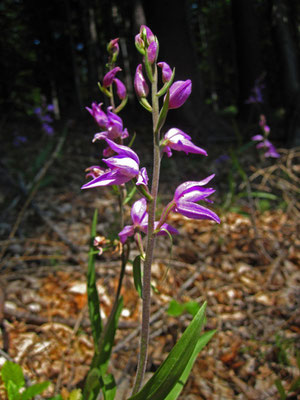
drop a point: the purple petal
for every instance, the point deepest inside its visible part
(175, 134)
(166, 227)
(121, 88)
(187, 146)
(109, 77)
(142, 178)
(198, 194)
(140, 84)
(189, 186)
(100, 136)
(107, 179)
(123, 150)
(152, 52)
(195, 211)
(257, 137)
(138, 211)
(166, 71)
(179, 92)
(126, 232)
(126, 165)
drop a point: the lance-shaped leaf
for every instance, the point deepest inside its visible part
(169, 373)
(204, 339)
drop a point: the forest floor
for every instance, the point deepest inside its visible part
(246, 268)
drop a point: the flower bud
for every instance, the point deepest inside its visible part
(121, 89)
(109, 77)
(140, 84)
(179, 92)
(152, 52)
(139, 44)
(147, 34)
(113, 46)
(166, 71)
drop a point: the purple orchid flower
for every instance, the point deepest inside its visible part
(188, 194)
(179, 92)
(114, 128)
(263, 141)
(140, 84)
(98, 114)
(176, 139)
(166, 71)
(122, 168)
(139, 217)
(109, 77)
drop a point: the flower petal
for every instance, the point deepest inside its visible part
(126, 165)
(107, 179)
(142, 178)
(138, 211)
(195, 211)
(189, 186)
(127, 231)
(124, 150)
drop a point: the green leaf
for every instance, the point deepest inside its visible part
(204, 339)
(100, 361)
(109, 387)
(170, 371)
(130, 195)
(57, 397)
(137, 274)
(260, 195)
(192, 307)
(12, 372)
(175, 309)
(75, 394)
(34, 390)
(12, 391)
(280, 389)
(163, 112)
(92, 293)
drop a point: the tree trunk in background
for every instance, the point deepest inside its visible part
(90, 39)
(248, 54)
(290, 69)
(169, 22)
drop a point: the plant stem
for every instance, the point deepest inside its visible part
(144, 341)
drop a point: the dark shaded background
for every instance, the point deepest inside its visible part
(58, 49)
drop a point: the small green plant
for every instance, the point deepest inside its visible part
(14, 382)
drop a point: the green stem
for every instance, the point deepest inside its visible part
(144, 341)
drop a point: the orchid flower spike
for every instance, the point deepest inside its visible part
(122, 168)
(139, 217)
(176, 139)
